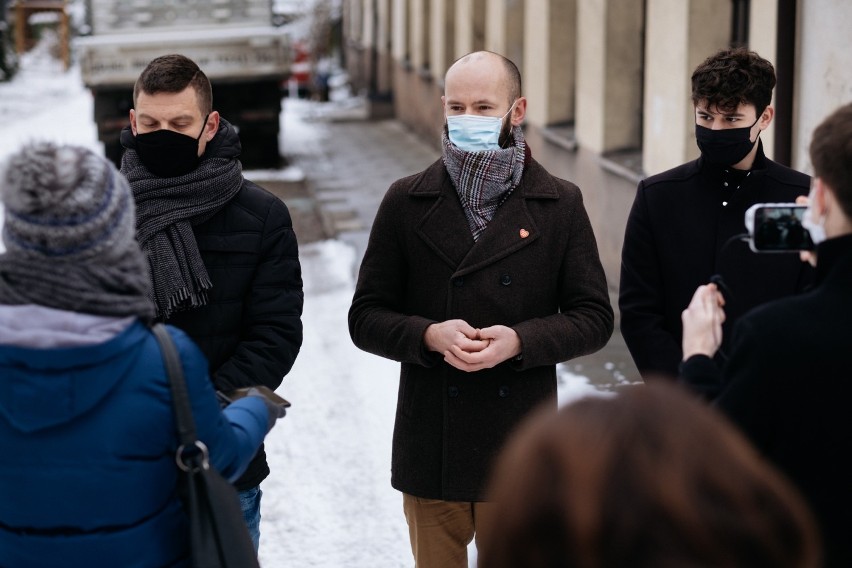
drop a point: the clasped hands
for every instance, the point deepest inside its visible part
(702, 322)
(470, 349)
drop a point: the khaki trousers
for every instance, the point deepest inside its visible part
(441, 530)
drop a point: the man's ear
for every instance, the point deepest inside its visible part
(519, 112)
(819, 197)
(766, 117)
(133, 121)
(212, 126)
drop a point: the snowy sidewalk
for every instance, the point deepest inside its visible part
(329, 502)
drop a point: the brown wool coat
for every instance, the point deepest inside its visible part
(422, 266)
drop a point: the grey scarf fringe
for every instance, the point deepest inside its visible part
(190, 297)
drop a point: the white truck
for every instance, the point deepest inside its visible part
(235, 42)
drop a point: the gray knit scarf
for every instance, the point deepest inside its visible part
(484, 180)
(166, 210)
(120, 289)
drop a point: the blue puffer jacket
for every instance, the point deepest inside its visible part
(87, 451)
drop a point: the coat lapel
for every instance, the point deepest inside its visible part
(445, 229)
(511, 229)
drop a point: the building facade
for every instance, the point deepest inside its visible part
(607, 81)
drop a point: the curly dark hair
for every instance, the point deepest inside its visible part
(732, 77)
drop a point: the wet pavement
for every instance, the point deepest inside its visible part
(340, 163)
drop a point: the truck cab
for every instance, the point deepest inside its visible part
(245, 56)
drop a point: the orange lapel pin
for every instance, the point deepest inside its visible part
(524, 233)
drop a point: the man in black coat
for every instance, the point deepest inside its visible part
(684, 223)
(222, 252)
(786, 383)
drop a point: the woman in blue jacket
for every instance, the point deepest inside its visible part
(87, 435)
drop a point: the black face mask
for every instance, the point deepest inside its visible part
(167, 153)
(725, 147)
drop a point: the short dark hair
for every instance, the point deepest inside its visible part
(513, 75)
(831, 155)
(172, 74)
(732, 77)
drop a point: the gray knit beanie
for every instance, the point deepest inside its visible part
(69, 231)
(65, 201)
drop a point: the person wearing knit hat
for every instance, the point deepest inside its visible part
(69, 234)
(87, 433)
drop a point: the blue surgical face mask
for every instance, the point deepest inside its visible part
(474, 133)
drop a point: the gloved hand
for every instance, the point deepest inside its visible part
(275, 411)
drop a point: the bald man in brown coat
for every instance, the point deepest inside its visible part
(481, 274)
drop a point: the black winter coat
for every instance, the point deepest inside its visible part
(787, 386)
(535, 269)
(250, 330)
(680, 232)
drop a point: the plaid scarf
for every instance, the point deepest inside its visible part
(166, 210)
(484, 180)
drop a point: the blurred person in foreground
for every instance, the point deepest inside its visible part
(88, 475)
(480, 275)
(648, 478)
(684, 223)
(786, 382)
(223, 256)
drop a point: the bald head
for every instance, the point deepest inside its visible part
(488, 64)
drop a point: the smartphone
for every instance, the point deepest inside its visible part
(777, 227)
(268, 393)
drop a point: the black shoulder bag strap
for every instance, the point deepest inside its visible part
(180, 398)
(218, 534)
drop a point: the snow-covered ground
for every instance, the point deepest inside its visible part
(328, 502)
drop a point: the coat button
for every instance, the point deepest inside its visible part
(505, 280)
(458, 282)
(503, 391)
(453, 392)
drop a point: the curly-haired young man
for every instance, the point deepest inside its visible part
(681, 229)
